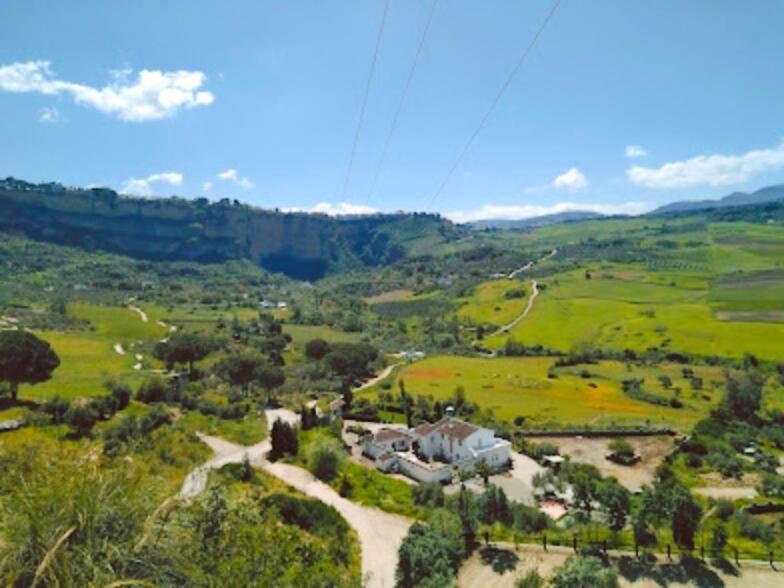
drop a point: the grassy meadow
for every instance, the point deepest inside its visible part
(514, 387)
(88, 358)
(625, 307)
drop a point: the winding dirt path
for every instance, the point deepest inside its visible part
(507, 327)
(530, 264)
(376, 379)
(140, 312)
(380, 533)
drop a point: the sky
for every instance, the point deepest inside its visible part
(619, 106)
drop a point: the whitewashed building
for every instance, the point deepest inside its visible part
(436, 452)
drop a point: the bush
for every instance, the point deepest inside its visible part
(622, 448)
(538, 451)
(584, 571)
(152, 390)
(724, 509)
(56, 408)
(772, 485)
(121, 392)
(428, 494)
(753, 528)
(531, 580)
(325, 457)
(431, 554)
(81, 418)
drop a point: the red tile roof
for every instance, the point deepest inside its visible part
(383, 435)
(454, 428)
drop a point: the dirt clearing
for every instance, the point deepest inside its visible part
(593, 450)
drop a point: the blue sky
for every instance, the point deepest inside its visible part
(622, 105)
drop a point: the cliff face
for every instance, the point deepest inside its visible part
(300, 245)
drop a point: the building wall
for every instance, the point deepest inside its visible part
(423, 473)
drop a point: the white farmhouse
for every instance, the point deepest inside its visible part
(435, 452)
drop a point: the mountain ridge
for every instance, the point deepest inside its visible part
(300, 245)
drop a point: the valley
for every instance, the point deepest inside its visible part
(663, 331)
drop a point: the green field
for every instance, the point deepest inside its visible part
(520, 387)
(620, 308)
(489, 304)
(88, 358)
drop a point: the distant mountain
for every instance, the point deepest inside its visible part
(769, 194)
(537, 221)
(300, 245)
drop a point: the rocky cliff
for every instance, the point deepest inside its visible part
(303, 246)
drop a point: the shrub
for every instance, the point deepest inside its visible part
(56, 408)
(583, 571)
(621, 447)
(531, 580)
(81, 418)
(325, 457)
(428, 494)
(752, 528)
(724, 509)
(152, 390)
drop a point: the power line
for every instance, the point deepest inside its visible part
(365, 98)
(493, 105)
(402, 100)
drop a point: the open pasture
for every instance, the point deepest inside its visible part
(88, 358)
(489, 303)
(521, 387)
(607, 311)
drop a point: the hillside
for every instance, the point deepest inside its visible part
(537, 221)
(300, 245)
(761, 196)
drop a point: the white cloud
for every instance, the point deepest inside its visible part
(231, 175)
(523, 211)
(49, 115)
(572, 179)
(143, 186)
(710, 170)
(153, 95)
(633, 151)
(206, 186)
(341, 209)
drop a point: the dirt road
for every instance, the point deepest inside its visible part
(376, 379)
(522, 315)
(380, 533)
(500, 567)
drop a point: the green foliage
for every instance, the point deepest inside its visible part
(153, 389)
(584, 571)
(752, 528)
(532, 579)
(184, 348)
(56, 408)
(324, 457)
(772, 485)
(428, 494)
(284, 439)
(622, 448)
(431, 553)
(316, 349)
(24, 358)
(744, 395)
(81, 417)
(686, 513)
(615, 503)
